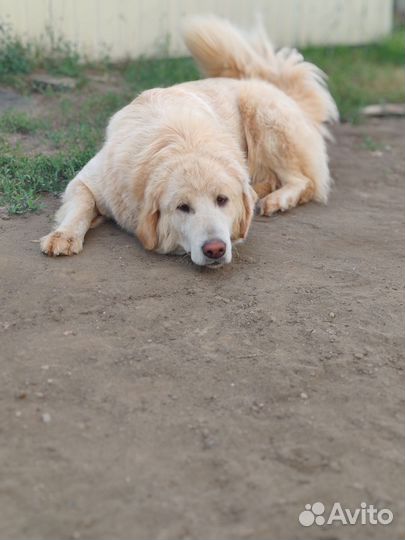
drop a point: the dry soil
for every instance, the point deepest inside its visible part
(144, 398)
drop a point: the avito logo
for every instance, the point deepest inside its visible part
(366, 514)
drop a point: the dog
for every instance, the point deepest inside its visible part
(182, 167)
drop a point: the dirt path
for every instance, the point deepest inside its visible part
(145, 398)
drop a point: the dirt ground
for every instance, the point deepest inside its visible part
(145, 398)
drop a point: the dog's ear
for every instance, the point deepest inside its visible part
(249, 198)
(146, 229)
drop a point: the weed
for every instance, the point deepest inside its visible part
(19, 122)
(143, 74)
(15, 57)
(22, 179)
(61, 57)
(370, 144)
(55, 56)
(362, 75)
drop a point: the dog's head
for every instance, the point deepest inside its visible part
(196, 205)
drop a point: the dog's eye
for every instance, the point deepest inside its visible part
(222, 200)
(184, 208)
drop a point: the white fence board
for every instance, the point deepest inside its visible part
(125, 28)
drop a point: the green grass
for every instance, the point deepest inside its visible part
(143, 74)
(19, 122)
(22, 179)
(360, 76)
(18, 58)
(371, 145)
(63, 60)
(70, 127)
(72, 136)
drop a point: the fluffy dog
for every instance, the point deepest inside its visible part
(179, 164)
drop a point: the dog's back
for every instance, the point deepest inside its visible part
(221, 50)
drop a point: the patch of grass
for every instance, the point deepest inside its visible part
(363, 75)
(99, 107)
(19, 122)
(62, 59)
(83, 125)
(370, 144)
(75, 130)
(143, 74)
(55, 56)
(22, 179)
(15, 57)
(83, 136)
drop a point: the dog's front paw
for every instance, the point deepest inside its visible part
(269, 205)
(61, 243)
(278, 201)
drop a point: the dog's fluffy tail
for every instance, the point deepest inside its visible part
(222, 50)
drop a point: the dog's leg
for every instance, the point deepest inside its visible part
(295, 189)
(74, 218)
(282, 143)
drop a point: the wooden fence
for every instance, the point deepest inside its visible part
(129, 28)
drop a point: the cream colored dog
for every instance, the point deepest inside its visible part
(178, 165)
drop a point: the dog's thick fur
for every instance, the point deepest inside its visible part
(173, 155)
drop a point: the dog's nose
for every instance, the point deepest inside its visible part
(214, 249)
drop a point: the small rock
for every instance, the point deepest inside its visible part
(68, 333)
(358, 355)
(207, 441)
(59, 84)
(46, 418)
(332, 315)
(304, 395)
(335, 466)
(4, 213)
(385, 109)
(18, 414)
(222, 299)
(257, 407)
